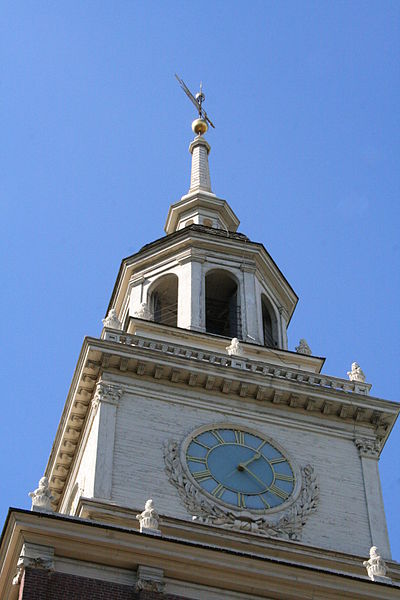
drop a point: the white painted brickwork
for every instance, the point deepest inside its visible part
(86, 472)
(200, 174)
(144, 422)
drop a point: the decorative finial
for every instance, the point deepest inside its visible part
(199, 125)
(303, 348)
(234, 348)
(42, 497)
(148, 519)
(356, 373)
(112, 320)
(143, 312)
(376, 566)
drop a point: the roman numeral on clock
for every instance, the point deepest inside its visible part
(239, 437)
(240, 500)
(201, 444)
(218, 436)
(196, 459)
(202, 475)
(218, 491)
(283, 477)
(266, 504)
(278, 492)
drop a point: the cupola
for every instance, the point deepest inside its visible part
(204, 276)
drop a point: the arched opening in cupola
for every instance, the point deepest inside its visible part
(164, 300)
(223, 315)
(270, 325)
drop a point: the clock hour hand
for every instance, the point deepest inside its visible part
(241, 466)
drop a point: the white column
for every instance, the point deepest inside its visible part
(250, 316)
(136, 297)
(283, 320)
(105, 402)
(369, 455)
(200, 174)
(190, 294)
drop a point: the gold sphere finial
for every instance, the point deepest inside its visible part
(199, 126)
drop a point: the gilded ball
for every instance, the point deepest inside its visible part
(199, 126)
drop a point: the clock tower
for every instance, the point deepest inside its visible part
(197, 456)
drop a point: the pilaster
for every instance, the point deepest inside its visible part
(250, 325)
(369, 450)
(190, 294)
(137, 296)
(34, 555)
(283, 321)
(105, 402)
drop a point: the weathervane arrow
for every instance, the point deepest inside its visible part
(198, 102)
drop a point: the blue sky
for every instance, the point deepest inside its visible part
(94, 149)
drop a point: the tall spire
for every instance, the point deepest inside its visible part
(200, 206)
(200, 174)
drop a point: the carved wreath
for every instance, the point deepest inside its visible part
(204, 510)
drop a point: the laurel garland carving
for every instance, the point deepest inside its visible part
(287, 525)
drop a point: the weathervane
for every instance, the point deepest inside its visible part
(199, 125)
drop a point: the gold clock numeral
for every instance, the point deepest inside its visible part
(240, 500)
(202, 475)
(196, 441)
(239, 437)
(218, 436)
(283, 477)
(218, 491)
(275, 461)
(196, 459)
(278, 492)
(266, 504)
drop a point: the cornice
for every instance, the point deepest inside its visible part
(273, 568)
(177, 365)
(288, 551)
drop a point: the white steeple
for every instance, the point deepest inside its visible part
(200, 205)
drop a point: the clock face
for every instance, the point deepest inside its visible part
(240, 468)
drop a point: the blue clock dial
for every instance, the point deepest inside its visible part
(240, 468)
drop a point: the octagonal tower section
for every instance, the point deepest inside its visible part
(204, 276)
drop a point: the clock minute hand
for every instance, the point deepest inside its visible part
(255, 476)
(241, 466)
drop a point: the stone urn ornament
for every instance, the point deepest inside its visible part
(112, 320)
(149, 519)
(234, 348)
(356, 373)
(42, 497)
(376, 566)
